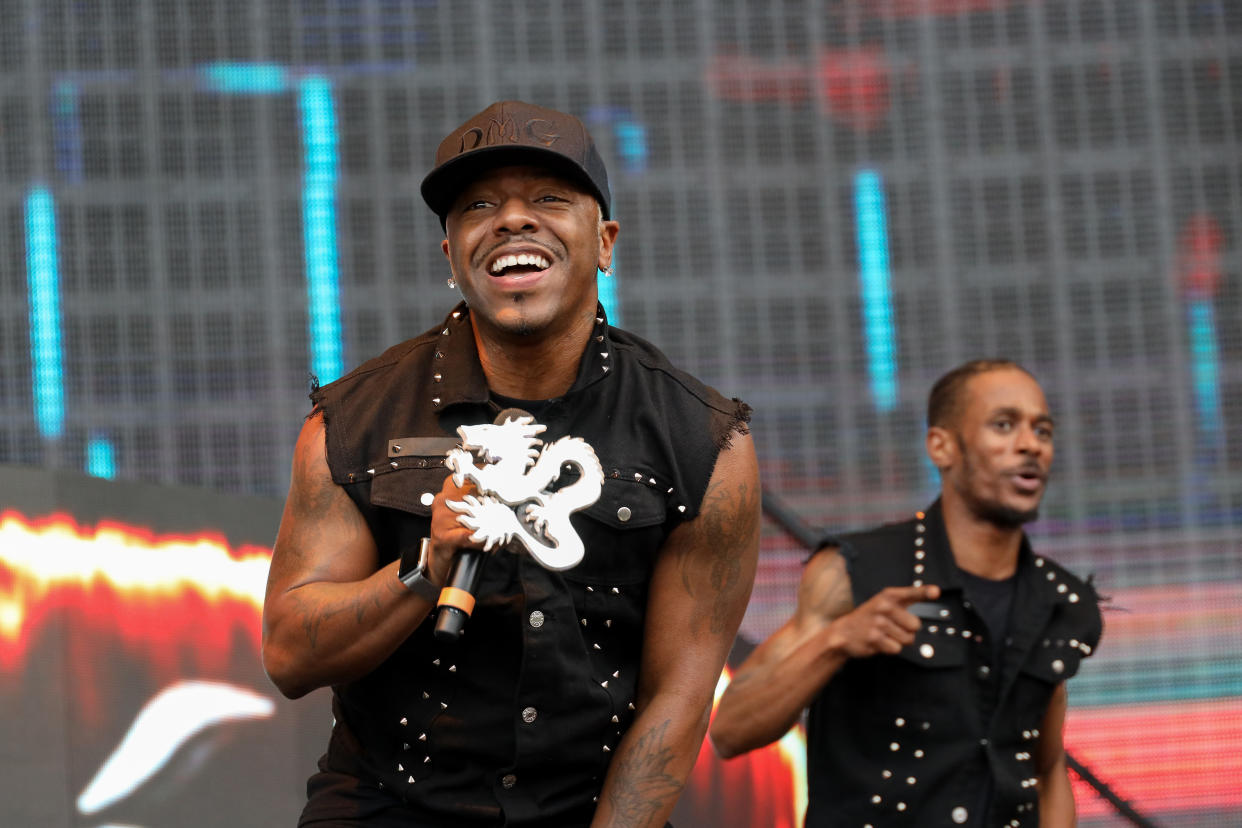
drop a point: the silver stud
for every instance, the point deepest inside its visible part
(918, 541)
(607, 622)
(920, 555)
(918, 754)
(370, 471)
(901, 806)
(410, 780)
(536, 619)
(1039, 561)
(607, 749)
(426, 759)
(427, 499)
(426, 695)
(910, 780)
(453, 668)
(933, 629)
(894, 746)
(400, 768)
(950, 630)
(918, 568)
(437, 376)
(404, 721)
(681, 508)
(444, 332)
(436, 662)
(435, 401)
(604, 683)
(405, 746)
(616, 590)
(1052, 576)
(456, 314)
(616, 674)
(927, 651)
(605, 369)
(599, 320)
(1058, 666)
(615, 719)
(595, 647)
(960, 815)
(422, 737)
(887, 774)
(900, 722)
(1073, 599)
(623, 514)
(589, 589)
(443, 705)
(918, 582)
(1062, 588)
(875, 800)
(393, 464)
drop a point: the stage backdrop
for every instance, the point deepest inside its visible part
(824, 205)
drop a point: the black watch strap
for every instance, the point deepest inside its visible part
(413, 572)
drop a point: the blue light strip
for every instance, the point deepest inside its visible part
(67, 131)
(1205, 364)
(100, 458)
(43, 285)
(606, 287)
(877, 305)
(246, 78)
(319, 143)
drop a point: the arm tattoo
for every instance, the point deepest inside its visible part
(643, 786)
(726, 523)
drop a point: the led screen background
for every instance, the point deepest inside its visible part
(824, 205)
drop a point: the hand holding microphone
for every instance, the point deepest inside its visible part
(457, 598)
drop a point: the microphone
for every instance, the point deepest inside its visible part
(456, 600)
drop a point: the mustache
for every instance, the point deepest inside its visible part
(1032, 468)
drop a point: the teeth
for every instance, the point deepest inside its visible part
(531, 259)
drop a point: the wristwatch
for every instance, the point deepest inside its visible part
(413, 572)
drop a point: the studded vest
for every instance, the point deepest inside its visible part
(910, 739)
(516, 722)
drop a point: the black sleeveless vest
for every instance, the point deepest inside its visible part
(516, 721)
(906, 739)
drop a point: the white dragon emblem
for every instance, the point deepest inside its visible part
(513, 499)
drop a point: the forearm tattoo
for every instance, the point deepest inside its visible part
(642, 786)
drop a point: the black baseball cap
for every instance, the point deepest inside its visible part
(515, 132)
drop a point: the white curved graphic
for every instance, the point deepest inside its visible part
(170, 719)
(516, 475)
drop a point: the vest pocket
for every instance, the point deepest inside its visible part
(408, 487)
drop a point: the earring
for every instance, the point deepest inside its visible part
(452, 283)
(608, 271)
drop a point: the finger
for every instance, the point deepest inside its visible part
(905, 596)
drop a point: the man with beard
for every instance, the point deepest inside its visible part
(933, 653)
(578, 692)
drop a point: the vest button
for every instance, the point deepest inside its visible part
(960, 815)
(536, 619)
(529, 715)
(623, 514)
(508, 781)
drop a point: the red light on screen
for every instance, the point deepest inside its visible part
(167, 599)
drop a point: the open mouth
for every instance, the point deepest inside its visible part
(519, 264)
(1028, 480)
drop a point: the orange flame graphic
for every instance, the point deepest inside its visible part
(170, 601)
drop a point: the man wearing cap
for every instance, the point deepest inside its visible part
(933, 653)
(578, 692)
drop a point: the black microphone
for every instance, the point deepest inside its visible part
(456, 600)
